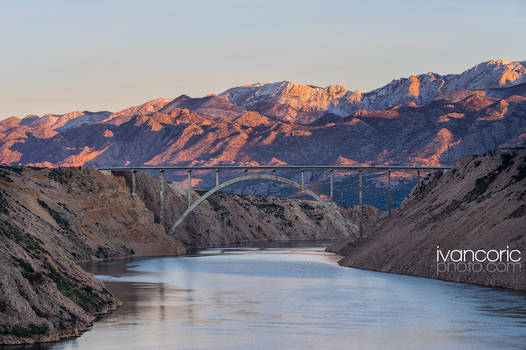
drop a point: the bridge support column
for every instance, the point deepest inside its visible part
(418, 181)
(189, 188)
(217, 177)
(330, 181)
(161, 196)
(133, 182)
(360, 197)
(302, 177)
(389, 191)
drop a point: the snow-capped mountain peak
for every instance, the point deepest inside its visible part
(304, 104)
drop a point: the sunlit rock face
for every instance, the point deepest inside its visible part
(82, 215)
(292, 102)
(425, 119)
(303, 104)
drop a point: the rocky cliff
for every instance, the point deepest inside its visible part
(479, 205)
(53, 219)
(50, 220)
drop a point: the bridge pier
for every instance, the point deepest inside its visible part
(217, 177)
(361, 202)
(418, 182)
(389, 191)
(133, 182)
(189, 188)
(330, 180)
(302, 177)
(161, 196)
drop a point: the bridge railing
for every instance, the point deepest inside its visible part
(332, 170)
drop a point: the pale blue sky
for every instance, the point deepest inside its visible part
(59, 56)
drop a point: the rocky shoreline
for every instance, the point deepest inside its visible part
(478, 205)
(51, 220)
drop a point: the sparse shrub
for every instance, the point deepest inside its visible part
(23, 332)
(15, 169)
(3, 306)
(60, 175)
(101, 252)
(517, 213)
(24, 265)
(507, 161)
(521, 174)
(55, 215)
(27, 241)
(3, 203)
(86, 297)
(4, 175)
(38, 312)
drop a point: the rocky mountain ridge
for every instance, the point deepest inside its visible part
(245, 126)
(53, 219)
(303, 104)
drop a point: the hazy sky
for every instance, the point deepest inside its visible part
(59, 56)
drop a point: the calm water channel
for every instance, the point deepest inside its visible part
(294, 298)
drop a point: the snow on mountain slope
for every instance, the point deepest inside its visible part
(435, 120)
(213, 106)
(289, 101)
(304, 104)
(86, 118)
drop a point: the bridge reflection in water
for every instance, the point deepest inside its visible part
(353, 231)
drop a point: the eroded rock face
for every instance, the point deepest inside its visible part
(439, 132)
(50, 220)
(479, 204)
(304, 104)
(425, 119)
(53, 219)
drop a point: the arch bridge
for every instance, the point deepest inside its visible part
(354, 231)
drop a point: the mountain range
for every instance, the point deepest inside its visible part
(427, 119)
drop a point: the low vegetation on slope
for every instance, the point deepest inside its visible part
(479, 204)
(53, 219)
(50, 220)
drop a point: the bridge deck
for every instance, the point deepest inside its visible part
(301, 186)
(285, 167)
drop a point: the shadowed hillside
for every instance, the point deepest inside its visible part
(479, 204)
(53, 219)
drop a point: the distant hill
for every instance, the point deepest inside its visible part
(426, 119)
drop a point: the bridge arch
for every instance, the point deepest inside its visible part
(349, 228)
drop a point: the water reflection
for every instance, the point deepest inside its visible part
(294, 298)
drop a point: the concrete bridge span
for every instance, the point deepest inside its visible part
(354, 232)
(351, 229)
